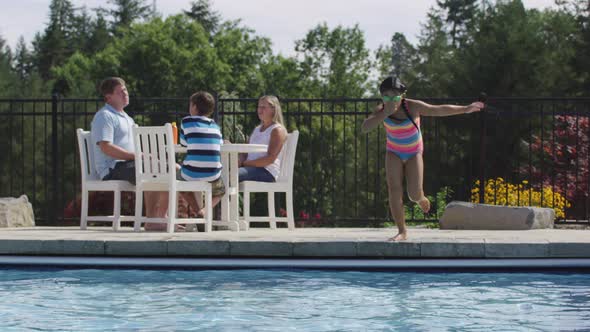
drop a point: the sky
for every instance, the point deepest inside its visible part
(283, 21)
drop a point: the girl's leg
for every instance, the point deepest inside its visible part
(394, 170)
(415, 182)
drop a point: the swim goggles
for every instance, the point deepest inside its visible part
(392, 98)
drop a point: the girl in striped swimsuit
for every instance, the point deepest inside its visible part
(401, 118)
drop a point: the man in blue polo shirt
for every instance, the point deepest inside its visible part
(112, 138)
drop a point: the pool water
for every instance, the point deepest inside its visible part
(283, 300)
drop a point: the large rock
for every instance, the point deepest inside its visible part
(16, 212)
(464, 215)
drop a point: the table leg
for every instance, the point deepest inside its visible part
(226, 219)
(225, 178)
(235, 199)
(234, 205)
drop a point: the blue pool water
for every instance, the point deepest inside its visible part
(283, 300)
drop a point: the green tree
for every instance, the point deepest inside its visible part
(459, 15)
(99, 34)
(174, 57)
(53, 47)
(23, 64)
(243, 53)
(584, 60)
(580, 10)
(202, 12)
(505, 50)
(7, 78)
(402, 54)
(335, 62)
(126, 12)
(81, 30)
(282, 77)
(27, 82)
(73, 78)
(434, 56)
(156, 58)
(517, 52)
(398, 59)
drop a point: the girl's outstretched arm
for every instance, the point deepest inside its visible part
(444, 110)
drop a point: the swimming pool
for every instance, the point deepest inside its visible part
(306, 300)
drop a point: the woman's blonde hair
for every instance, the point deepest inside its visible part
(276, 106)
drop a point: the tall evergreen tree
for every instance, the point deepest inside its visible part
(99, 34)
(202, 12)
(434, 74)
(126, 12)
(517, 52)
(581, 10)
(399, 58)
(402, 54)
(6, 76)
(459, 15)
(23, 65)
(54, 46)
(5, 53)
(585, 60)
(81, 30)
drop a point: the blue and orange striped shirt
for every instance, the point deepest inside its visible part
(203, 139)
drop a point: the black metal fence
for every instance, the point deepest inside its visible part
(524, 151)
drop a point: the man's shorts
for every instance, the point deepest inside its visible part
(217, 186)
(124, 170)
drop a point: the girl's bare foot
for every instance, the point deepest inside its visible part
(424, 204)
(401, 236)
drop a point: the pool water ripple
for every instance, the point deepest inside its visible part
(308, 300)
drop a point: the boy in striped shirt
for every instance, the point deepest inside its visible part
(203, 139)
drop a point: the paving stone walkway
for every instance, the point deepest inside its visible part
(306, 242)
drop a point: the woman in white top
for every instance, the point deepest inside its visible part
(265, 166)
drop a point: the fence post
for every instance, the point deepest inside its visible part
(216, 112)
(55, 157)
(10, 143)
(482, 157)
(217, 209)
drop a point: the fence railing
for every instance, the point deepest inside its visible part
(524, 151)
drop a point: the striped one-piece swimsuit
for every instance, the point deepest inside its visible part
(403, 139)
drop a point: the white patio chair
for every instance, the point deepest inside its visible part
(92, 182)
(284, 184)
(155, 170)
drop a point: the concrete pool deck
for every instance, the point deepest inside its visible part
(300, 243)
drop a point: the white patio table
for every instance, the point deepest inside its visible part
(230, 202)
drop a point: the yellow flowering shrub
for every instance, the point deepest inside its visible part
(500, 192)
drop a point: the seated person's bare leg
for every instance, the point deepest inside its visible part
(191, 200)
(156, 206)
(214, 201)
